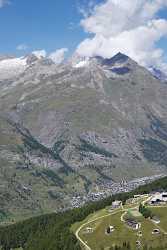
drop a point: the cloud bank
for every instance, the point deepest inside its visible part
(131, 27)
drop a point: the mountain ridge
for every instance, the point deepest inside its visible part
(67, 130)
(76, 61)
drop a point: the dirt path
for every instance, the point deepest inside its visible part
(87, 223)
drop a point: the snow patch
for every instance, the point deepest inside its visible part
(82, 64)
(12, 67)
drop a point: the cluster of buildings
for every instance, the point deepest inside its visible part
(109, 188)
(158, 199)
(106, 189)
(126, 186)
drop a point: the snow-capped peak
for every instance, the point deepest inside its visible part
(39, 54)
(12, 66)
(118, 60)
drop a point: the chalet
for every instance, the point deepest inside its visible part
(110, 229)
(89, 230)
(133, 224)
(156, 231)
(116, 204)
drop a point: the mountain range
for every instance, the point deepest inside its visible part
(67, 128)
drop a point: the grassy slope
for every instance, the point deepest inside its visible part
(122, 233)
(162, 214)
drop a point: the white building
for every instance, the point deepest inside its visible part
(116, 204)
(159, 198)
(89, 230)
(110, 229)
(133, 224)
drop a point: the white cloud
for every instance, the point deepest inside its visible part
(39, 53)
(3, 3)
(131, 27)
(58, 55)
(22, 46)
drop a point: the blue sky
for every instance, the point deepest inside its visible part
(163, 42)
(40, 24)
(55, 24)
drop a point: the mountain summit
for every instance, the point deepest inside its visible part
(118, 58)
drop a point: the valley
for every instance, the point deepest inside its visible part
(77, 130)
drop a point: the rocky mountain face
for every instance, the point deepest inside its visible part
(159, 74)
(65, 129)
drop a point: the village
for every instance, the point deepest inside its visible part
(109, 188)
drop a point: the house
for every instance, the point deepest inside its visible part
(89, 230)
(158, 198)
(116, 204)
(110, 229)
(156, 231)
(133, 224)
(164, 196)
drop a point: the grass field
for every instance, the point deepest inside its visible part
(98, 214)
(161, 213)
(122, 233)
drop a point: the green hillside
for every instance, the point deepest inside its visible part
(53, 231)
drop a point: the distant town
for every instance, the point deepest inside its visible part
(109, 188)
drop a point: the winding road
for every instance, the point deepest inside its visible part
(87, 223)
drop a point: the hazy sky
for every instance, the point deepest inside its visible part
(57, 28)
